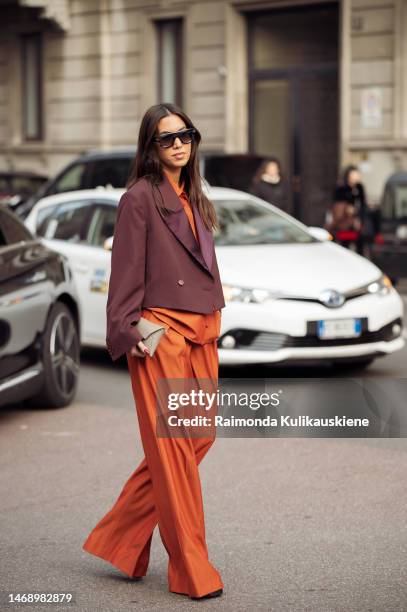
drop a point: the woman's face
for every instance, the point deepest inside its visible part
(272, 169)
(179, 153)
(354, 177)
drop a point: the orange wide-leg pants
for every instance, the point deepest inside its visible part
(165, 488)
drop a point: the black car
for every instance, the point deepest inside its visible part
(232, 170)
(389, 252)
(39, 320)
(112, 167)
(90, 170)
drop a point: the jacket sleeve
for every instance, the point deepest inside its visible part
(127, 276)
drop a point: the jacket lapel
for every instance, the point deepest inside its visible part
(178, 223)
(205, 239)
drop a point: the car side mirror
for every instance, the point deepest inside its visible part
(320, 233)
(108, 243)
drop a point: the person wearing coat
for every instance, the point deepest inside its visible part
(269, 184)
(164, 269)
(349, 211)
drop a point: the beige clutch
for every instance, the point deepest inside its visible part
(151, 334)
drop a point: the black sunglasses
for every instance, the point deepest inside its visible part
(167, 140)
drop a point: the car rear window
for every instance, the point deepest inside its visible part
(110, 172)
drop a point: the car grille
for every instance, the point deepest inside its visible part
(269, 341)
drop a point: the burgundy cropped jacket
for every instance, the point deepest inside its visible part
(155, 262)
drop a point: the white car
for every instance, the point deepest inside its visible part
(292, 295)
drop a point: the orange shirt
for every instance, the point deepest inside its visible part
(197, 327)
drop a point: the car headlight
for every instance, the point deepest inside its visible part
(233, 293)
(380, 287)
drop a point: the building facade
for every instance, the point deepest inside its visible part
(319, 84)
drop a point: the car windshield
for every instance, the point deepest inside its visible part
(248, 222)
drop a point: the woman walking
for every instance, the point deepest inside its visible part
(164, 269)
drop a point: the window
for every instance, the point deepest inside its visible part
(394, 202)
(71, 180)
(170, 61)
(114, 172)
(68, 222)
(401, 202)
(42, 217)
(31, 73)
(246, 222)
(102, 224)
(12, 230)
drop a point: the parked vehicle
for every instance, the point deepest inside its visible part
(104, 168)
(17, 186)
(39, 320)
(232, 170)
(390, 250)
(291, 294)
(93, 169)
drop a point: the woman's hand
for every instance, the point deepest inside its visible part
(140, 350)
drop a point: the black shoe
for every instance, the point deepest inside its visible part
(136, 578)
(217, 593)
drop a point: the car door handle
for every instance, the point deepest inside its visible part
(82, 268)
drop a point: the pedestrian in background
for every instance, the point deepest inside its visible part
(269, 184)
(164, 269)
(355, 196)
(348, 220)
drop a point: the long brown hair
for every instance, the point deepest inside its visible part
(147, 164)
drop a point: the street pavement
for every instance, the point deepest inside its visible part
(293, 525)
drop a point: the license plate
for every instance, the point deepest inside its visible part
(339, 328)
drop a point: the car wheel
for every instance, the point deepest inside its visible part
(60, 358)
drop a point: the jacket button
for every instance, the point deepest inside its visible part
(180, 282)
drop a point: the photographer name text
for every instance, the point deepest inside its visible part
(268, 421)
